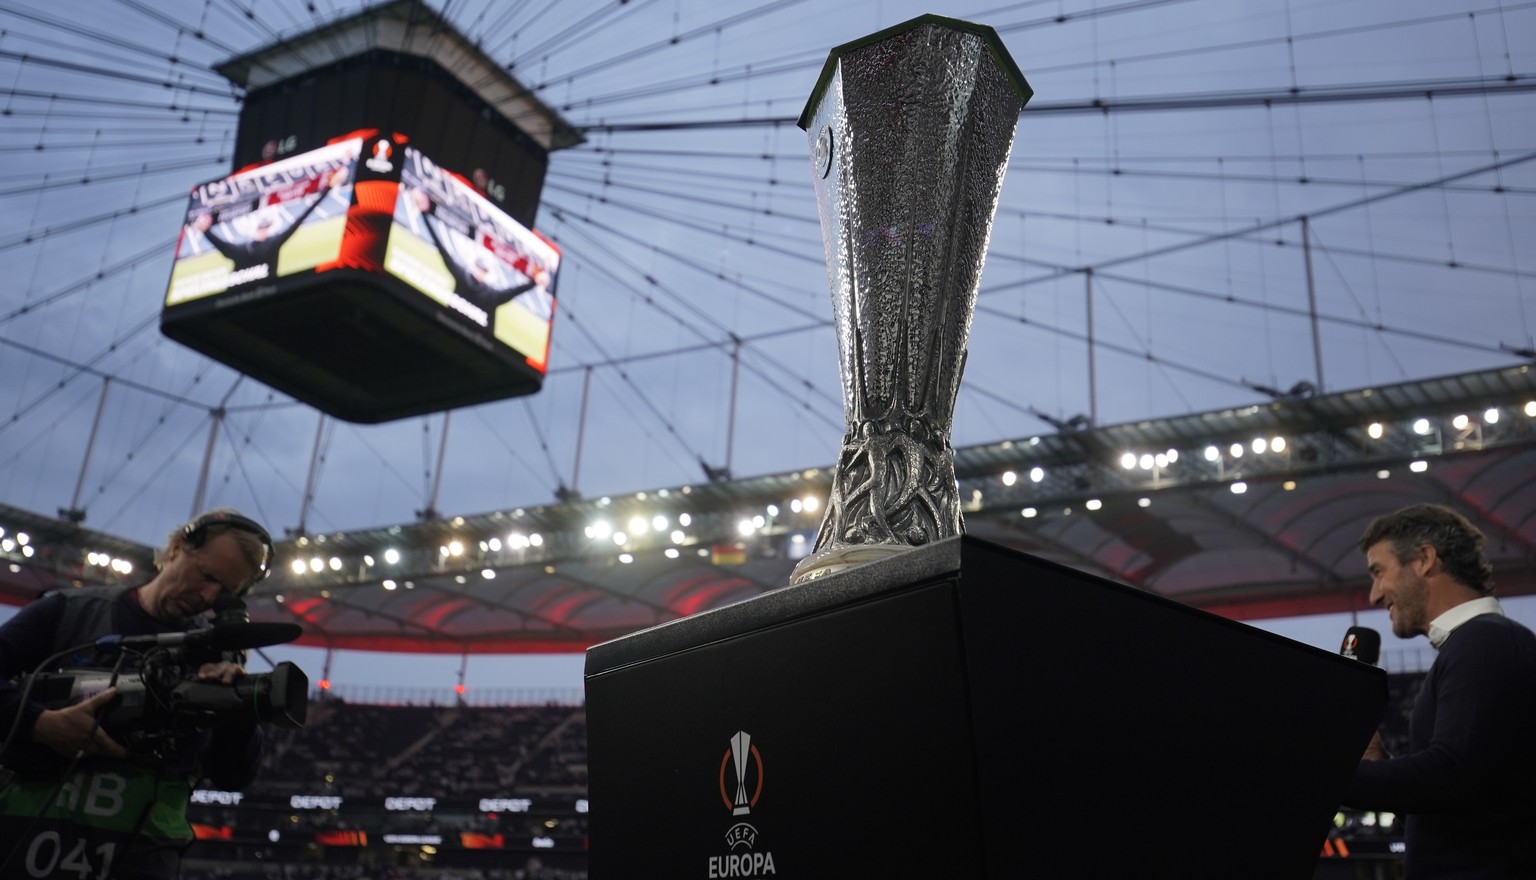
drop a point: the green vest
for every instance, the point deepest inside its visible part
(105, 812)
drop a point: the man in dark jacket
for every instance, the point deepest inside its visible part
(477, 277)
(114, 811)
(268, 238)
(1468, 782)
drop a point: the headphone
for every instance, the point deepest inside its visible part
(194, 533)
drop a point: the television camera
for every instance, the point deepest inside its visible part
(159, 699)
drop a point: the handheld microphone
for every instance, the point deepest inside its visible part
(219, 637)
(1362, 643)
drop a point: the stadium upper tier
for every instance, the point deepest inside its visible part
(1250, 512)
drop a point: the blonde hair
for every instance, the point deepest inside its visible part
(252, 547)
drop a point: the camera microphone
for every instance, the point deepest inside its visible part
(219, 637)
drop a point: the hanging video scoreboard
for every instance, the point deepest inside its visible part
(365, 280)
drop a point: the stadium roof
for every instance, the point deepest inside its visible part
(1221, 526)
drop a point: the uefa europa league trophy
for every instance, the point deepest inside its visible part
(910, 131)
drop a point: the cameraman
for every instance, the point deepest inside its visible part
(117, 814)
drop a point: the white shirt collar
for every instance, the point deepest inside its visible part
(1441, 627)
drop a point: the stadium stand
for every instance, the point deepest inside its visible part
(443, 792)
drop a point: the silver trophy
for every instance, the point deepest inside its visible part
(910, 131)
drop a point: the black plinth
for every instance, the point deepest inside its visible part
(967, 711)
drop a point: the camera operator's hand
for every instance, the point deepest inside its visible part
(223, 671)
(64, 730)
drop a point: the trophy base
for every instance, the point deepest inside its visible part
(841, 556)
(1006, 698)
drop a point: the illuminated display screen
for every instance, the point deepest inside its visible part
(266, 223)
(370, 203)
(455, 246)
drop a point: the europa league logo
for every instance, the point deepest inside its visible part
(742, 757)
(910, 134)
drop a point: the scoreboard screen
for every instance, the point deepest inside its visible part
(368, 204)
(264, 223)
(452, 244)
